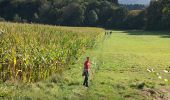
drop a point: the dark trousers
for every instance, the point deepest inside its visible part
(86, 75)
(86, 81)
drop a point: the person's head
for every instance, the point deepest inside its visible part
(88, 58)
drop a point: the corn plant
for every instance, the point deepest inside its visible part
(32, 52)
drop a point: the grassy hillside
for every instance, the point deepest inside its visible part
(120, 68)
(125, 58)
(127, 65)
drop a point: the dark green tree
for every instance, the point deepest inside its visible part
(17, 18)
(135, 20)
(73, 14)
(117, 18)
(154, 16)
(2, 19)
(166, 14)
(92, 18)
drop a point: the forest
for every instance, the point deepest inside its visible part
(98, 13)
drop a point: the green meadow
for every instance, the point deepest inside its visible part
(126, 65)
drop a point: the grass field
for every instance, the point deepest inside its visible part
(123, 71)
(126, 65)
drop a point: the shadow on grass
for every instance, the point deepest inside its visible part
(165, 36)
(162, 34)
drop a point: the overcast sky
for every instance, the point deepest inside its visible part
(134, 1)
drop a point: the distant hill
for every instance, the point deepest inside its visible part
(134, 6)
(145, 2)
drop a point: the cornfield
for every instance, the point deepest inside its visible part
(33, 52)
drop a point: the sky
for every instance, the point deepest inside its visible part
(134, 2)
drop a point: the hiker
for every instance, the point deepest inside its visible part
(86, 71)
(106, 33)
(110, 32)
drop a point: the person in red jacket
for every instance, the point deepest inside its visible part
(86, 71)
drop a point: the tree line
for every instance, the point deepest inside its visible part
(158, 15)
(134, 6)
(98, 13)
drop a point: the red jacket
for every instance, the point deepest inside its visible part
(87, 65)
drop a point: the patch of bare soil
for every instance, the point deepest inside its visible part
(157, 94)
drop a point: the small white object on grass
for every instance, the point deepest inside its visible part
(159, 77)
(165, 71)
(152, 70)
(149, 70)
(1, 31)
(166, 80)
(19, 70)
(157, 74)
